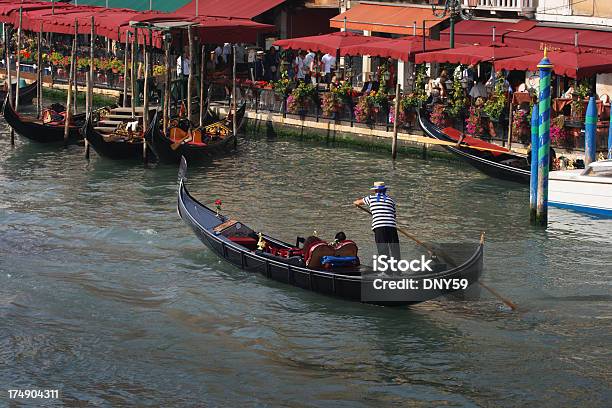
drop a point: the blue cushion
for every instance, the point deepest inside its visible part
(339, 261)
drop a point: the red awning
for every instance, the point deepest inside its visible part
(571, 64)
(403, 49)
(472, 55)
(557, 39)
(330, 43)
(386, 18)
(230, 8)
(527, 34)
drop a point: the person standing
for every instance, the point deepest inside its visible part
(309, 62)
(182, 72)
(271, 62)
(329, 61)
(384, 222)
(298, 66)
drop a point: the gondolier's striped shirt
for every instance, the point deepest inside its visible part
(383, 210)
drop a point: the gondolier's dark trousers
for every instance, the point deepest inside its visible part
(387, 242)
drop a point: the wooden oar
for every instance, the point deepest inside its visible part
(179, 142)
(448, 259)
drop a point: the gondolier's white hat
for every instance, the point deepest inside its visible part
(379, 185)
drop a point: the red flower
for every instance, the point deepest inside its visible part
(218, 202)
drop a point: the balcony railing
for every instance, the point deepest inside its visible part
(502, 5)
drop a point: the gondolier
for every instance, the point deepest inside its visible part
(384, 223)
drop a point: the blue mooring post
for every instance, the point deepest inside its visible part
(533, 187)
(590, 132)
(545, 67)
(610, 137)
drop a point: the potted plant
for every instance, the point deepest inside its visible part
(116, 66)
(364, 110)
(494, 108)
(301, 97)
(331, 104)
(456, 101)
(473, 123)
(580, 94)
(438, 116)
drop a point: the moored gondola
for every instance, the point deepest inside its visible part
(491, 159)
(117, 142)
(198, 144)
(239, 245)
(40, 131)
(26, 93)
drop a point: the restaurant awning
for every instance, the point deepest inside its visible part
(330, 43)
(230, 8)
(385, 18)
(529, 34)
(404, 48)
(573, 64)
(473, 54)
(481, 31)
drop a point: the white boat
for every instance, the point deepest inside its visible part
(588, 190)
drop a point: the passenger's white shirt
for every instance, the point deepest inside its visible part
(308, 59)
(184, 69)
(299, 62)
(328, 61)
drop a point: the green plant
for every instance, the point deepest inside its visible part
(300, 97)
(419, 83)
(495, 105)
(456, 100)
(282, 86)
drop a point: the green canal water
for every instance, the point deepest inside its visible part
(108, 297)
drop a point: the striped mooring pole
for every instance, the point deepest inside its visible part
(545, 67)
(610, 137)
(533, 186)
(590, 132)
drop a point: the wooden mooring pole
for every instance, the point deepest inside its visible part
(126, 52)
(191, 69)
(9, 76)
(39, 75)
(68, 118)
(202, 68)
(18, 67)
(145, 111)
(395, 120)
(134, 56)
(533, 185)
(168, 79)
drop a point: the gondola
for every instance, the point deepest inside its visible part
(38, 131)
(238, 244)
(116, 148)
(501, 163)
(26, 93)
(196, 149)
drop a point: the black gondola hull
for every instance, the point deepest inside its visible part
(162, 145)
(346, 285)
(115, 150)
(479, 160)
(40, 132)
(26, 93)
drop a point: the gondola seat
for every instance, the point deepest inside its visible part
(247, 242)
